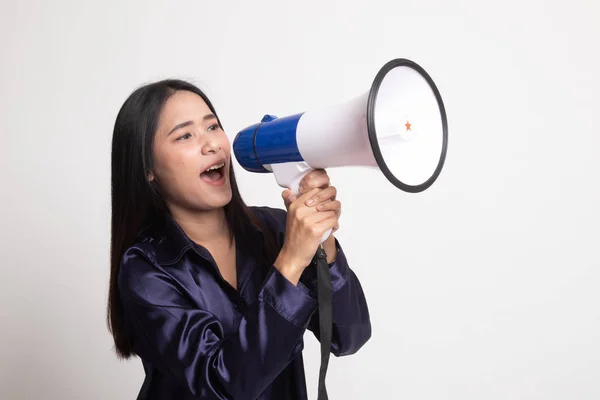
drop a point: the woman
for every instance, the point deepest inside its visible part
(212, 295)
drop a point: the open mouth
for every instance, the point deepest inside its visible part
(214, 174)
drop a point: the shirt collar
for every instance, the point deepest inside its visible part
(171, 243)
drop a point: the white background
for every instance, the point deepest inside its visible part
(486, 286)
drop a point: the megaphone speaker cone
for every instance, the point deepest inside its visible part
(407, 125)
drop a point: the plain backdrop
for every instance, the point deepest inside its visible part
(486, 286)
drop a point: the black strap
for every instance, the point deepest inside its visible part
(325, 318)
(144, 392)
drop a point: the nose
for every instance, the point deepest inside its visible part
(211, 147)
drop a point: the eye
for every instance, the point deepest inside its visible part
(213, 127)
(184, 136)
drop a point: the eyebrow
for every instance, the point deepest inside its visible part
(188, 123)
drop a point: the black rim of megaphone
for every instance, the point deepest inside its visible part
(402, 62)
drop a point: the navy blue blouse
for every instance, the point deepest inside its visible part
(199, 338)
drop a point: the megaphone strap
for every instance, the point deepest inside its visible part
(324, 294)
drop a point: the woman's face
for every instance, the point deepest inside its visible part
(191, 155)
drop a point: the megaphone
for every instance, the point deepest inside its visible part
(398, 126)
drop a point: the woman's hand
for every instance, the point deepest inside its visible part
(324, 200)
(310, 215)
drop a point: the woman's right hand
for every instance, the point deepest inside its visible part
(305, 228)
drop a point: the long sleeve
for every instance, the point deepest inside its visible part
(187, 342)
(350, 312)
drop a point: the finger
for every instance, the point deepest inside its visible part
(317, 217)
(324, 225)
(299, 203)
(331, 205)
(329, 193)
(317, 178)
(288, 197)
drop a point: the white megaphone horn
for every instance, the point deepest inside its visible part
(398, 126)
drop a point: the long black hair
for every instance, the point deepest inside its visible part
(136, 202)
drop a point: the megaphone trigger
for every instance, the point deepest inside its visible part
(289, 175)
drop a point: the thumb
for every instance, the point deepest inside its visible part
(288, 196)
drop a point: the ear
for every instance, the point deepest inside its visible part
(150, 177)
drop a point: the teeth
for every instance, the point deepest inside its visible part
(215, 167)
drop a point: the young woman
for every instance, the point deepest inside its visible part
(215, 296)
